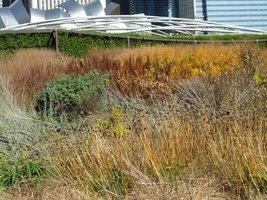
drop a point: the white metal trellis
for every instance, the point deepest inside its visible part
(136, 24)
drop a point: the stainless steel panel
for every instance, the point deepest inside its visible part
(2, 25)
(20, 12)
(7, 17)
(112, 9)
(73, 8)
(37, 15)
(94, 8)
(55, 14)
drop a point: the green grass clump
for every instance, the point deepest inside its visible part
(18, 171)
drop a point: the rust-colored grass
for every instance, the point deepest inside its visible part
(155, 70)
(28, 71)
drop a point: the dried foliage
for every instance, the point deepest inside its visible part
(192, 189)
(232, 152)
(144, 72)
(207, 140)
(29, 70)
(149, 71)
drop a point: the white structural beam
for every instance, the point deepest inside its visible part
(137, 24)
(75, 15)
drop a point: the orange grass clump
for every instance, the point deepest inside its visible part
(155, 70)
(28, 71)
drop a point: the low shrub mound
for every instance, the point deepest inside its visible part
(71, 93)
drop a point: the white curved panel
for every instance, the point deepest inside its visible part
(112, 9)
(37, 15)
(7, 17)
(94, 8)
(55, 14)
(2, 25)
(73, 8)
(138, 24)
(19, 12)
(104, 3)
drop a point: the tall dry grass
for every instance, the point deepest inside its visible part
(228, 151)
(207, 141)
(155, 70)
(193, 189)
(145, 71)
(28, 71)
(212, 128)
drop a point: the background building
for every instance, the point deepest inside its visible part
(164, 8)
(186, 9)
(246, 13)
(46, 4)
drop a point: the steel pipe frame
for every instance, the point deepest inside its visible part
(142, 25)
(78, 19)
(106, 24)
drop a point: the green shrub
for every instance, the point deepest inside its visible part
(78, 44)
(10, 43)
(69, 93)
